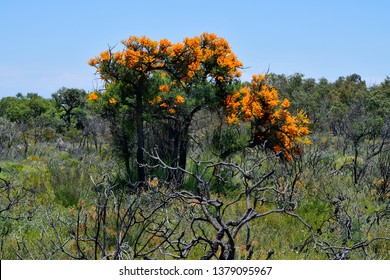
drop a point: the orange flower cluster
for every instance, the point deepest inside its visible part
(179, 99)
(250, 103)
(218, 57)
(272, 123)
(158, 99)
(104, 56)
(207, 57)
(141, 54)
(93, 96)
(170, 105)
(164, 88)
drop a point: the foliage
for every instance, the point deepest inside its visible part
(68, 100)
(24, 109)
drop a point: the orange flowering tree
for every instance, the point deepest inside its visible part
(177, 80)
(272, 124)
(170, 82)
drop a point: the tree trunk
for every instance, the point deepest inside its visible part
(140, 135)
(68, 116)
(183, 149)
(355, 164)
(184, 142)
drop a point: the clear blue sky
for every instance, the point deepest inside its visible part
(46, 45)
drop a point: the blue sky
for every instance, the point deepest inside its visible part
(46, 45)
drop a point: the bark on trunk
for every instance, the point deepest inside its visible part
(140, 135)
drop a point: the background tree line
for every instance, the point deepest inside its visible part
(347, 108)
